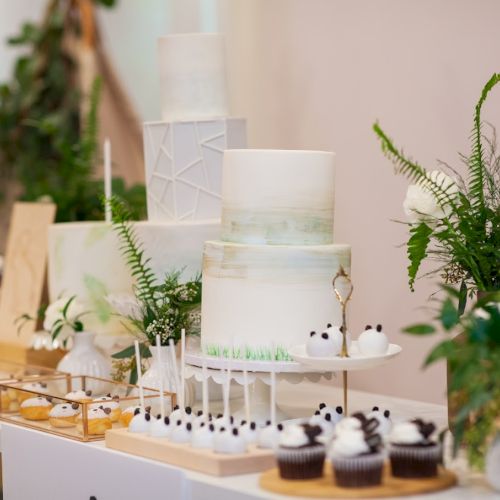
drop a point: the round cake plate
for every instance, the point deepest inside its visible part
(355, 361)
(196, 358)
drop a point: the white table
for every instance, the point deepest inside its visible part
(39, 466)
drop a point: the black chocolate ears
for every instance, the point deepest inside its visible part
(235, 431)
(322, 405)
(328, 417)
(147, 416)
(312, 334)
(375, 408)
(379, 328)
(387, 413)
(339, 410)
(137, 411)
(329, 325)
(368, 327)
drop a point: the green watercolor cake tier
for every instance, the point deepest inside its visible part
(277, 197)
(260, 297)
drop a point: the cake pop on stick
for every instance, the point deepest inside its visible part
(204, 387)
(273, 387)
(182, 374)
(174, 367)
(227, 386)
(162, 395)
(139, 374)
(246, 394)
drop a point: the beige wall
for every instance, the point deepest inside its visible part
(316, 74)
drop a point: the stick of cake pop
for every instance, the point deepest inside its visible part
(204, 387)
(162, 395)
(174, 367)
(139, 373)
(183, 383)
(246, 394)
(107, 178)
(273, 386)
(227, 385)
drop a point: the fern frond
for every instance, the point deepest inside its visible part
(477, 168)
(417, 249)
(132, 251)
(412, 170)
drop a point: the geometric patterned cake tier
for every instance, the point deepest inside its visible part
(184, 166)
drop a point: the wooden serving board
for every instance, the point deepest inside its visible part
(183, 455)
(325, 487)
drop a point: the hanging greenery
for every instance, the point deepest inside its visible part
(45, 143)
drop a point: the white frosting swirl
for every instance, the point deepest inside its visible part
(348, 424)
(63, 410)
(405, 433)
(293, 436)
(38, 401)
(350, 443)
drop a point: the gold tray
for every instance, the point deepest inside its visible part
(325, 486)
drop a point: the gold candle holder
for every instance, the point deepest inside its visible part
(343, 301)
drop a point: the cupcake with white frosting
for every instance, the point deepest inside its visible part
(325, 423)
(413, 451)
(300, 455)
(355, 454)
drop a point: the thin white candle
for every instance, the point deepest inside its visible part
(246, 394)
(139, 374)
(107, 178)
(273, 388)
(183, 386)
(174, 367)
(204, 388)
(160, 369)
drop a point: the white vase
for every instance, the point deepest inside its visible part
(85, 358)
(151, 377)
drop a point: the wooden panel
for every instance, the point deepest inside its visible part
(183, 455)
(325, 486)
(25, 264)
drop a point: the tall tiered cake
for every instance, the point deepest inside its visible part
(183, 160)
(268, 281)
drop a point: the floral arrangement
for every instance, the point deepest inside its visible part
(474, 370)
(61, 319)
(455, 221)
(161, 308)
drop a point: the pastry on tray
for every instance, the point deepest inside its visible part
(35, 408)
(38, 387)
(64, 415)
(98, 421)
(80, 396)
(109, 402)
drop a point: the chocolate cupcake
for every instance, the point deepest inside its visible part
(299, 454)
(355, 454)
(413, 453)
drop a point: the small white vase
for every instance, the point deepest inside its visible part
(85, 358)
(151, 377)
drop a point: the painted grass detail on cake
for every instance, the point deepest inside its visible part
(248, 353)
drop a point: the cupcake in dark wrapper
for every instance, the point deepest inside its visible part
(299, 454)
(355, 454)
(413, 452)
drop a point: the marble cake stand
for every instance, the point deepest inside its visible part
(259, 379)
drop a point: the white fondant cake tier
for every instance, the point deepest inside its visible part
(257, 296)
(192, 76)
(85, 260)
(184, 166)
(277, 197)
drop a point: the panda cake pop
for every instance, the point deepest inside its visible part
(320, 345)
(384, 420)
(160, 427)
(335, 332)
(337, 413)
(229, 441)
(373, 342)
(181, 433)
(140, 422)
(178, 414)
(268, 436)
(248, 431)
(223, 421)
(203, 436)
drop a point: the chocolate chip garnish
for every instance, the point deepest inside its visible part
(279, 427)
(253, 425)
(329, 325)
(136, 411)
(179, 422)
(189, 426)
(166, 420)
(147, 416)
(379, 328)
(211, 427)
(322, 405)
(75, 406)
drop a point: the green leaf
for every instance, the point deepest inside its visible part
(78, 326)
(462, 298)
(56, 331)
(64, 311)
(443, 350)
(420, 329)
(449, 315)
(128, 352)
(417, 249)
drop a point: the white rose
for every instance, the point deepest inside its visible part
(420, 203)
(125, 304)
(53, 313)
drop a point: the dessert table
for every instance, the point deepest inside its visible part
(78, 470)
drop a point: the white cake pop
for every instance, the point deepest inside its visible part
(335, 333)
(268, 436)
(249, 432)
(203, 436)
(384, 420)
(160, 427)
(140, 423)
(373, 342)
(181, 432)
(320, 345)
(229, 441)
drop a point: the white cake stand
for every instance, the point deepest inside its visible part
(259, 378)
